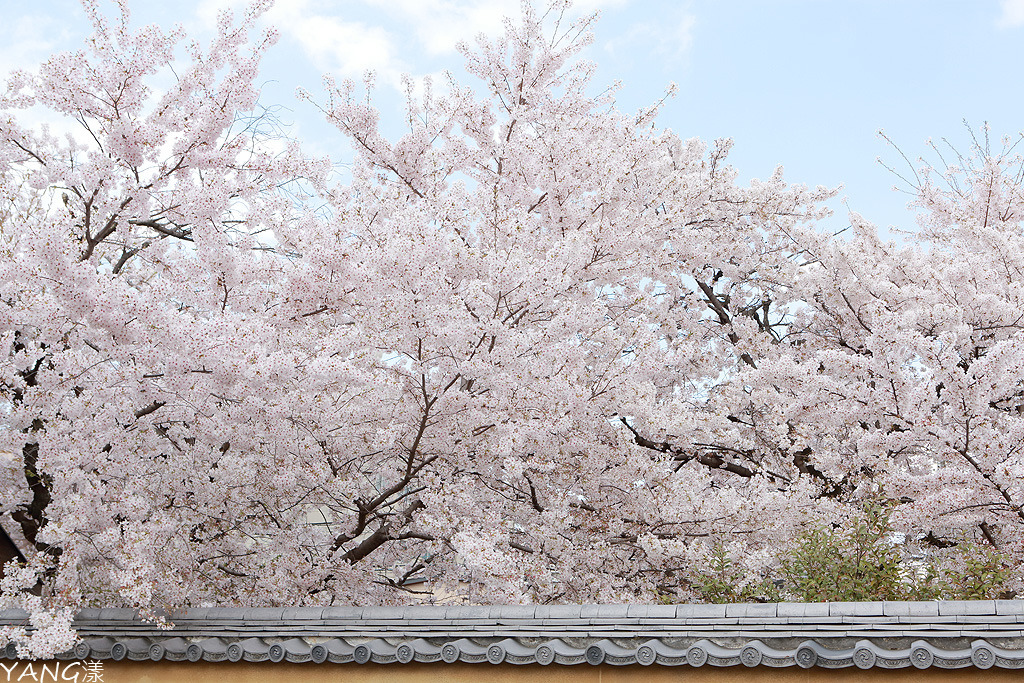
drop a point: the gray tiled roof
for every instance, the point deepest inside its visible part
(948, 634)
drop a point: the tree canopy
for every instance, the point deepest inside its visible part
(536, 348)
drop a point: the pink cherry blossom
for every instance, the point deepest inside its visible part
(536, 345)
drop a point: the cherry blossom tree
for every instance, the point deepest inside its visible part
(136, 254)
(925, 345)
(536, 348)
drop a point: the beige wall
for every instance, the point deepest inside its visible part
(267, 672)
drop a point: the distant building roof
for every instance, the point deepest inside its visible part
(947, 634)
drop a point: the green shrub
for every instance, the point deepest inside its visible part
(863, 563)
(848, 565)
(857, 563)
(984, 573)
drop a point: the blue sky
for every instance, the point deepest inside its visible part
(805, 84)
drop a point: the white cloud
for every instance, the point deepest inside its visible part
(344, 48)
(332, 43)
(439, 25)
(680, 40)
(349, 38)
(1012, 13)
(670, 40)
(37, 37)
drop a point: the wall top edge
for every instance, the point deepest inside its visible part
(940, 611)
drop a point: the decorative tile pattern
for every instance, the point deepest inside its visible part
(945, 634)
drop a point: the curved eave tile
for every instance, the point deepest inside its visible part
(887, 635)
(807, 654)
